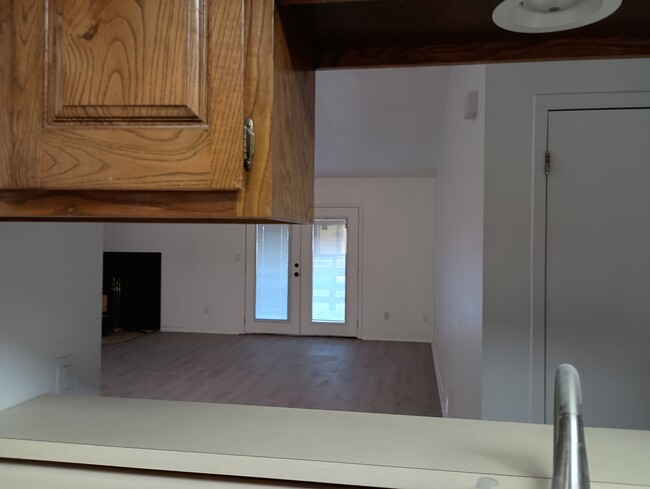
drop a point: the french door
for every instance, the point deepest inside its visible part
(303, 279)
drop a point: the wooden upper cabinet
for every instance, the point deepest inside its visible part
(137, 94)
(149, 98)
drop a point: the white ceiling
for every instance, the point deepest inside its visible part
(379, 122)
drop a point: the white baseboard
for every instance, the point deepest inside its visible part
(173, 329)
(441, 387)
(406, 340)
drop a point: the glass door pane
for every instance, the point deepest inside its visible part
(329, 254)
(272, 279)
(272, 272)
(330, 273)
(304, 279)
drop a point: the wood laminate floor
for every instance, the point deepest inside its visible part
(305, 372)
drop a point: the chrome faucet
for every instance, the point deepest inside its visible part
(570, 469)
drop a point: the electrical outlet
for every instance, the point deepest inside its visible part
(386, 315)
(206, 309)
(425, 318)
(64, 376)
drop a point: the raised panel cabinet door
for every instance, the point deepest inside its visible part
(125, 94)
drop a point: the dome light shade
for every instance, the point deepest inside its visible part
(533, 16)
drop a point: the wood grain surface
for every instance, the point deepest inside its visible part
(356, 33)
(156, 159)
(7, 63)
(22, 88)
(118, 206)
(258, 104)
(123, 62)
(485, 52)
(294, 98)
(269, 370)
(226, 104)
(280, 97)
(139, 95)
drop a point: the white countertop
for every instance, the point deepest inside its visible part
(310, 445)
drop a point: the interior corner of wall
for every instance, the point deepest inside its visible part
(442, 389)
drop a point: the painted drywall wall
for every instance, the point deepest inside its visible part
(459, 247)
(510, 91)
(202, 282)
(200, 267)
(397, 233)
(369, 119)
(50, 304)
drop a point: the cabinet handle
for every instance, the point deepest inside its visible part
(249, 143)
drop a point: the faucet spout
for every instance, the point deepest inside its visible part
(570, 469)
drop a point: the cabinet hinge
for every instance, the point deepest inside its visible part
(249, 143)
(547, 163)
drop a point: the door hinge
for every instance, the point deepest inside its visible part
(249, 143)
(547, 163)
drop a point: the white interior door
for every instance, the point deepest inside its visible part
(598, 261)
(304, 279)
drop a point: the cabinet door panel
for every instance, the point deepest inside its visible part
(138, 94)
(123, 62)
(164, 158)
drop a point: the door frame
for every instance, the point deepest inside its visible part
(292, 326)
(543, 105)
(351, 327)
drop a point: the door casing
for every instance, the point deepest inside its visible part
(537, 321)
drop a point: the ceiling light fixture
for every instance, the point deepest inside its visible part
(534, 16)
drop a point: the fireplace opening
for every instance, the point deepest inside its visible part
(131, 292)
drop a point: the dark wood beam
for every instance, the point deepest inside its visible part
(486, 52)
(360, 33)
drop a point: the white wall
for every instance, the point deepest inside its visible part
(199, 270)
(459, 248)
(507, 333)
(199, 266)
(397, 220)
(369, 119)
(50, 306)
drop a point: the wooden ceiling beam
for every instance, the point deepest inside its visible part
(486, 52)
(360, 33)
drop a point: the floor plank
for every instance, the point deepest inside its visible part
(306, 372)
